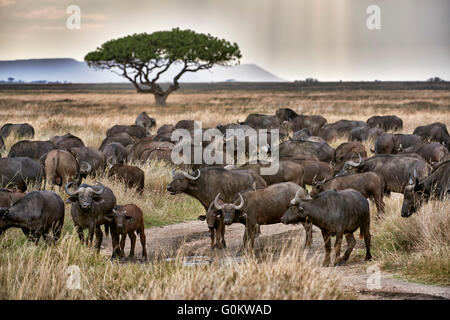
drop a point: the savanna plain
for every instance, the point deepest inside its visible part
(415, 249)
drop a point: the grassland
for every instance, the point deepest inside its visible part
(417, 248)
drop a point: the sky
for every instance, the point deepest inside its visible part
(294, 39)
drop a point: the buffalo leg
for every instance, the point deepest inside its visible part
(133, 243)
(99, 237)
(122, 244)
(308, 231)
(222, 235)
(213, 237)
(327, 241)
(378, 198)
(337, 248)
(80, 234)
(115, 244)
(350, 245)
(367, 237)
(90, 238)
(143, 243)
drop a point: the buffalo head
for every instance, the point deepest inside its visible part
(412, 196)
(229, 210)
(295, 213)
(350, 166)
(85, 196)
(119, 216)
(318, 187)
(180, 181)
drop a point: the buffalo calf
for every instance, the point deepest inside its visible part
(126, 220)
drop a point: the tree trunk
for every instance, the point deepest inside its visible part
(160, 99)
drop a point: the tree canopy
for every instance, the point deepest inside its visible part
(143, 58)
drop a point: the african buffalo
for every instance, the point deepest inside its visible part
(123, 138)
(362, 134)
(262, 121)
(336, 213)
(261, 207)
(436, 131)
(339, 128)
(19, 130)
(126, 220)
(8, 197)
(391, 143)
(292, 148)
(433, 152)
(210, 181)
(394, 170)
(31, 149)
(133, 130)
(132, 176)
(89, 207)
(96, 159)
(115, 153)
(62, 167)
(350, 151)
(385, 122)
(435, 186)
(287, 171)
(18, 172)
(314, 169)
(67, 141)
(37, 213)
(285, 114)
(143, 120)
(368, 184)
(314, 123)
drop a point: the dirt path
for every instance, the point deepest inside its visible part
(193, 238)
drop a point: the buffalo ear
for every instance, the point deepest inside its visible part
(72, 199)
(98, 200)
(202, 217)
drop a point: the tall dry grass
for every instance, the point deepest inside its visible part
(39, 272)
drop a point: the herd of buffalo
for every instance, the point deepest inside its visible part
(341, 180)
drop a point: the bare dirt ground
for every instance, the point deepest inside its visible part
(194, 240)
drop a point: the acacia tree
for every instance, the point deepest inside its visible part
(143, 58)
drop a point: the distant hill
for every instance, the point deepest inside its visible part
(71, 70)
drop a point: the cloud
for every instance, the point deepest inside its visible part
(5, 3)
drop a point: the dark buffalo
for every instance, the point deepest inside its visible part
(67, 141)
(436, 131)
(19, 130)
(262, 121)
(18, 172)
(115, 153)
(362, 134)
(386, 122)
(301, 134)
(368, 184)
(166, 129)
(288, 171)
(435, 186)
(133, 130)
(391, 143)
(262, 207)
(38, 213)
(31, 149)
(339, 128)
(210, 181)
(350, 151)
(314, 169)
(89, 207)
(143, 120)
(126, 220)
(285, 114)
(96, 159)
(313, 123)
(293, 148)
(433, 152)
(123, 138)
(132, 176)
(336, 213)
(8, 197)
(62, 167)
(394, 170)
